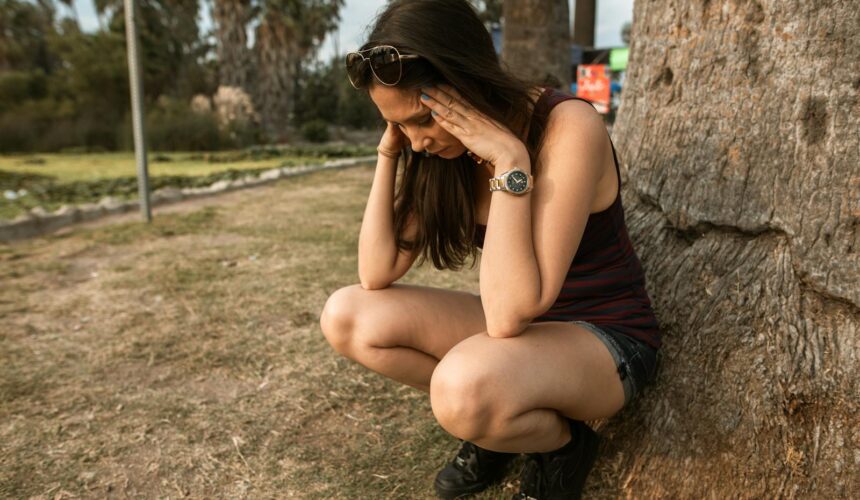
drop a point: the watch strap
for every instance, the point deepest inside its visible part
(499, 183)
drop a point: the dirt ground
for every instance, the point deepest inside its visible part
(185, 359)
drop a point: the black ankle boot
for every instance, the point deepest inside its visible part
(474, 469)
(560, 474)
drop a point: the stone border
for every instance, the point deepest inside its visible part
(38, 221)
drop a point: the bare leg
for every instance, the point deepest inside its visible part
(403, 364)
(516, 398)
(401, 331)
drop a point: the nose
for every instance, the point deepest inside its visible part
(419, 141)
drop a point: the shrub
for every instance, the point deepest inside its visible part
(315, 131)
(16, 134)
(19, 86)
(173, 126)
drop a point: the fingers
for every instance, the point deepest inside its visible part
(451, 126)
(448, 104)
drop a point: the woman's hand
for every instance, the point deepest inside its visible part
(393, 141)
(479, 133)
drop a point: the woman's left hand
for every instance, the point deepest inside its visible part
(479, 133)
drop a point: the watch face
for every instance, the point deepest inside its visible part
(517, 181)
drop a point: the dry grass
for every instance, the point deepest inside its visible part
(185, 359)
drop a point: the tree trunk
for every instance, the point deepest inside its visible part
(231, 20)
(288, 34)
(584, 19)
(738, 135)
(537, 40)
(276, 57)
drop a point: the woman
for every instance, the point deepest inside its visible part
(562, 330)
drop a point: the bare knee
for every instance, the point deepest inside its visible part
(338, 318)
(461, 397)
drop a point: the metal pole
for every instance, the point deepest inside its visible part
(136, 86)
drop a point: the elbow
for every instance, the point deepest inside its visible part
(506, 328)
(374, 284)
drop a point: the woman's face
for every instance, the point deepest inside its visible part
(403, 108)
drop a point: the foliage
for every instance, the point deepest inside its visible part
(315, 131)
(173, 126)
(62, 88)
(327, 95)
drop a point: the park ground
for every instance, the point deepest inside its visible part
(52, 180)
(184, 359)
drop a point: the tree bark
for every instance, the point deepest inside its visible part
(231, 20)
(738, 135)
(584, 19)
(536, 42)
(288, 34)
(276, 53)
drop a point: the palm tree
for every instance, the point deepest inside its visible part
(288, 34)
(738, 137)
(231, 23)
(537, 40)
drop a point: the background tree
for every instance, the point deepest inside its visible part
(26, 29)
(537, 40)
(288, 34)
(584, 21)
(231, 18)
(62, 88)
(738, 139)
(169, 37)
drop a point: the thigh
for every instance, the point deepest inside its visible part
(432, 320)
(556, 365)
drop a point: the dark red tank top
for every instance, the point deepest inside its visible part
(605, 284)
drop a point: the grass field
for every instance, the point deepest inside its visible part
(52, 180)
(65, 168)
(184, 358)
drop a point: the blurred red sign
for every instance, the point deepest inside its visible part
(592, 83)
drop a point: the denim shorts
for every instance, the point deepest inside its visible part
(636, 360)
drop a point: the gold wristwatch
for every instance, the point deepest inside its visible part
(515, 181)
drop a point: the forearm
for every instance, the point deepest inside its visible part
(377, 250)
(509, 276)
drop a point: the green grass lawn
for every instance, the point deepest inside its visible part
(66, 168)
(52, 180)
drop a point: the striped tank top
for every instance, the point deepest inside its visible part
(605, 284)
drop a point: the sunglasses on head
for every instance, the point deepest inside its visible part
(385, 63)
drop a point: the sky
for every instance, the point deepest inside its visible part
(358, 14)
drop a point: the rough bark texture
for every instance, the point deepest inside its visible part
(738, 134)
(287, 36)
(231, 20)
(537, 40)
(276, 55)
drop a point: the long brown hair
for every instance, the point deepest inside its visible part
(456, 49)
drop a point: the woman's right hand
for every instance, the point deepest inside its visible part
(393, 140)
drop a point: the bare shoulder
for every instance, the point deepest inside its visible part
(576, 147)
(577, 116)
